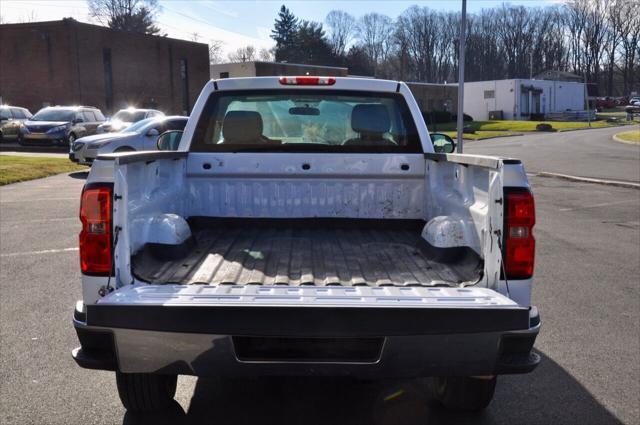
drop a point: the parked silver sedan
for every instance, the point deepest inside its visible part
(125, 118)
(139, 136)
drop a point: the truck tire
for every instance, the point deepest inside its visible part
(463, 393)
(146, 392)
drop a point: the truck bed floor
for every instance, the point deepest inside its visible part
(304, 252)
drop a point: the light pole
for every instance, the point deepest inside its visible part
(460, 124)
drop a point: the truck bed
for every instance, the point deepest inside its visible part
(306, 252)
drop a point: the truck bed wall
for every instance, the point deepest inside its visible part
(399, 186)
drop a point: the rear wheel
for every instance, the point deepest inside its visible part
(464, 393)
(146, 392)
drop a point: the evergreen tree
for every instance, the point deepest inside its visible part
(285, 33)
(314, 49)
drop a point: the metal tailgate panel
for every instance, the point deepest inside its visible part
(357, 296)
(307, 311)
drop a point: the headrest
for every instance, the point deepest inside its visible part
(370, 118)
(242, 127)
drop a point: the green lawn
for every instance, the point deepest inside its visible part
(488, 129)
(20, 168)
(630, 136)
(480, 135)
(617, 114)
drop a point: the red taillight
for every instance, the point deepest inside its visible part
(95, 237)
(520, 245)
(307, 81)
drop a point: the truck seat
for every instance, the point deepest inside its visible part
(242, 127)
(370, 121)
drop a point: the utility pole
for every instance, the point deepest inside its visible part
(460, 124)
(586, 98)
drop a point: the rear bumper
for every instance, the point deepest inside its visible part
(173, 341)
(56, 139)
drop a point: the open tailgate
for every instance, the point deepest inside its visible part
(307, 311)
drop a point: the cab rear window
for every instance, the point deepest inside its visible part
(306, 121)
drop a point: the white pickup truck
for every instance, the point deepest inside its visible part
(306, 226)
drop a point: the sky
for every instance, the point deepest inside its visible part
(234, 23)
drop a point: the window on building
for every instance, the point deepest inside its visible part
(224, 75)
(108, 79)
(184, 83)
(489, 94)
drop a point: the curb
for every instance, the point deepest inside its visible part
(490, 137)
(628, 142)
(629, 185)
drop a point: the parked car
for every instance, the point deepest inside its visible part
(306, 226)
(605, 103)
(125, 117)
(137, 137)
(11, 117)
(633, 109)
(634, 101)
(59, 125)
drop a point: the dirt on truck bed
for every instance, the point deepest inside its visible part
(306, 252)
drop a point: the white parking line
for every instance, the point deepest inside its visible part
(46, 251)
(604, 204)
(42, 220)
(76, 198)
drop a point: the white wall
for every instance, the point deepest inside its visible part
(474, 102)
(569, 95)
(240, 69)
(556, 96)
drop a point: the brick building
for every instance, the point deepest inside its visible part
(68, 62)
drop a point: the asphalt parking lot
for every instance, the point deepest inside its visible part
(588, 263)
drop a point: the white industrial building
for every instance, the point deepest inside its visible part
(518, 99)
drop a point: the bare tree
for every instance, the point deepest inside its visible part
(128, 15)
(243, 54)
(630, 46)
(615, 23)
(215, 51)
(266, 55)
(375, 32)
(343, 28)
(596, 38)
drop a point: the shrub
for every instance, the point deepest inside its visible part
(543, 126)
(465, 117)
(468, 129)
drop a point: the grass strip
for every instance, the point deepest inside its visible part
(630, 136)
(21, 168)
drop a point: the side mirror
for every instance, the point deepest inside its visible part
(169, 140)
(442, 143)
(153, 132)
